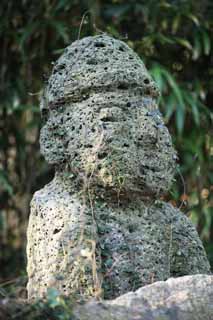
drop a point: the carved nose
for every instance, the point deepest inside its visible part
(112, 114)
(107, 116)
(148, 138)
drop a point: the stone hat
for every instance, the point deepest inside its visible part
(94, 64)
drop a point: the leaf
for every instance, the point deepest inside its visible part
(61, 30)
(165, 4)
(4, 183)
(197, 46)
(117, 10)
(57, 52)
(164, 39)
(180, 105)
(53, 297)
(170, 107)
(183, 42)
(193, 18)
(24, 107)
(176, 24)
(208, 217)
(172, 82)
(113, 31)
(62, 4)
(28, 31)
(156, 74)
(194, 107)
(179, 117)
(109, 263)
(195, 113)
(206, 42)
(176, 100)
(204, 108)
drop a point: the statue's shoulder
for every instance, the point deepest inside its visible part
(184, 231)
(53, 196)
(182, 226)
(45, 194)
(167, 210)
(188, 254)
(180, 221)
(177, 218)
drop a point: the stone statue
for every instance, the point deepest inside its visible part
(99, 228)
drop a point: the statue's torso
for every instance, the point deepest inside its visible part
(105, 137)
(136, 248)
(81, 247)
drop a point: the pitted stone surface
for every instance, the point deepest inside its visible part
(102, 118)
(98, 228)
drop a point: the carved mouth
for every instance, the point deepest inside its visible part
(108, 119)
(144, 168)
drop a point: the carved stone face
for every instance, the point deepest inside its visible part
(102, 119)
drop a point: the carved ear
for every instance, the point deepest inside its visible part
(51, 144)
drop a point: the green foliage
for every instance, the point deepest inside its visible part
(59, 307)
(174, 38)
(54, 307)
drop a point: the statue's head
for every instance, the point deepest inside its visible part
(102, 121)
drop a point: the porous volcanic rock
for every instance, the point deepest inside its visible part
(185, 298)
(99, 228)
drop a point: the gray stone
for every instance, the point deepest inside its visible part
(98, 229)
(185, 298)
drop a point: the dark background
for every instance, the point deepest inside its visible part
(174, 39)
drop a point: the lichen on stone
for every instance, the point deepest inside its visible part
(98, 229)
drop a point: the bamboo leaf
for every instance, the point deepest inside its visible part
(61, 30)
(61, 5)
(179, 117)
(164, 39)
(180, 105)
(206, 42)
(170, 107)
(5, 184)
(194, 107)
(193, 18)
(176, 24)
(165, 4)
(28, 31)
(183, 42)
(156, 74)
(197, 48)
(174, 86)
